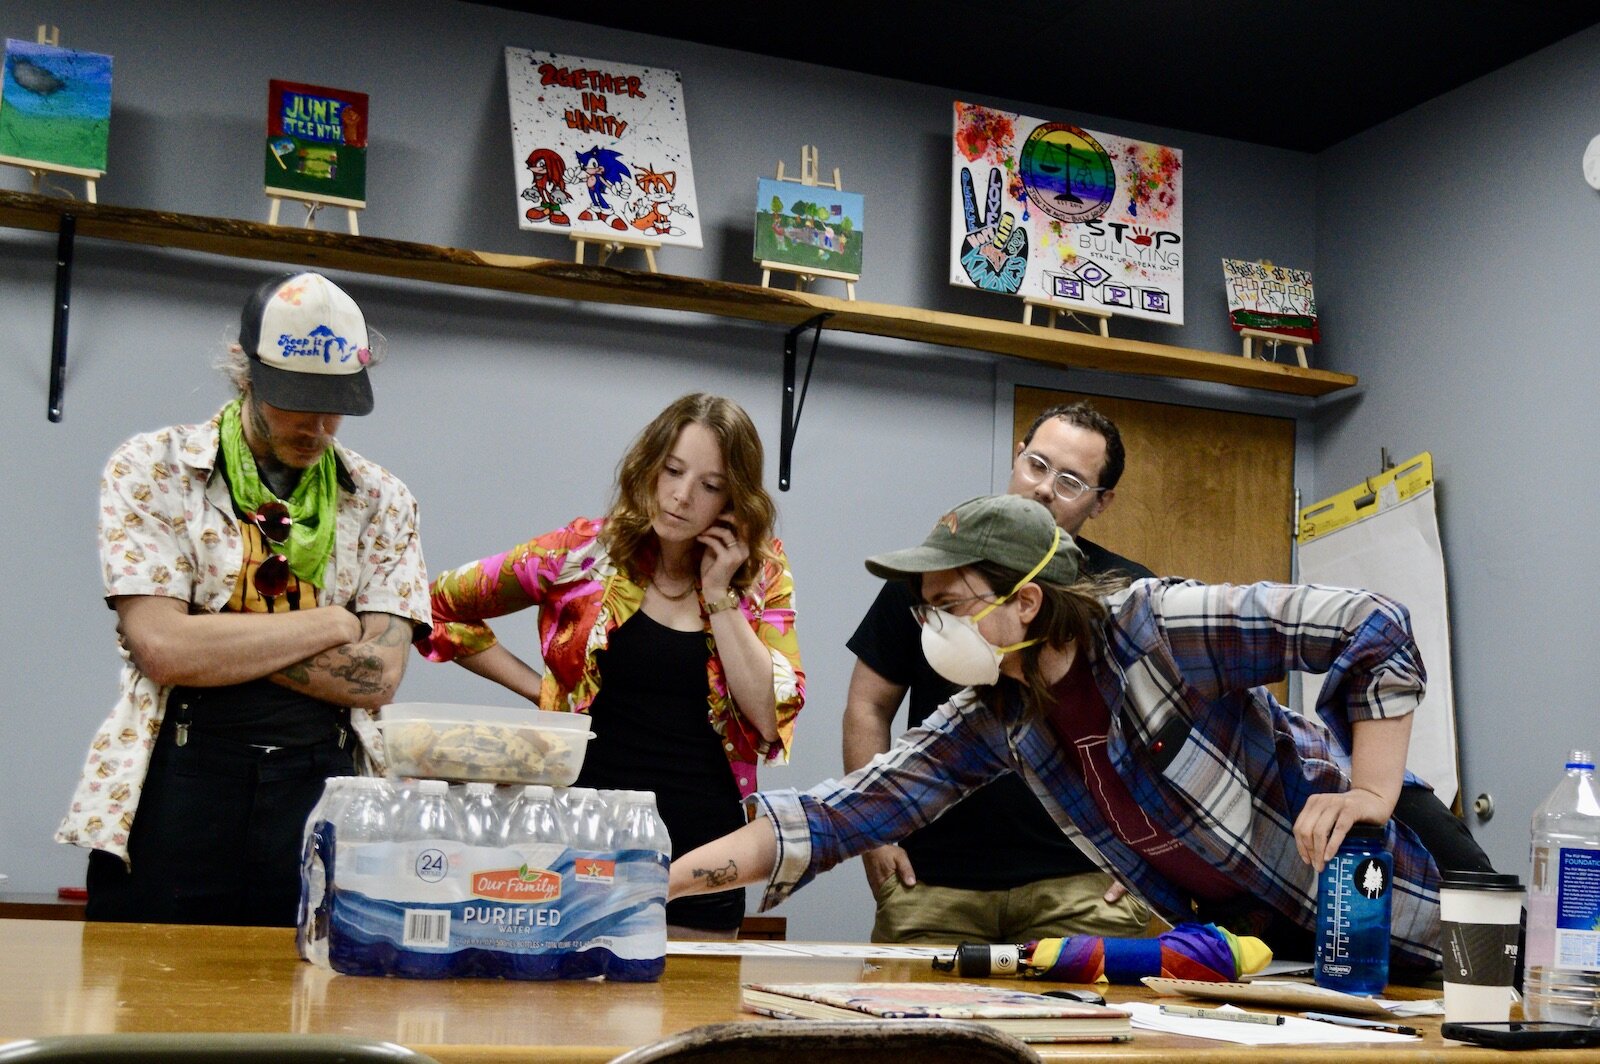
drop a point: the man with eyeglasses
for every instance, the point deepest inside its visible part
(995, 868)
(267, 583)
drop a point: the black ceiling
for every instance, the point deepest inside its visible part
(1299, 74)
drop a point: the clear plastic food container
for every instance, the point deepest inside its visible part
(492, 744)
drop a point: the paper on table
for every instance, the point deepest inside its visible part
(1290, 996)
(1294, 1030)
(768, 948)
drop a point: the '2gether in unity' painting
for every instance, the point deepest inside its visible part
(600, 149)
(1046, 209)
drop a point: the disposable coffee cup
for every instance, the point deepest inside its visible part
(1479, 916)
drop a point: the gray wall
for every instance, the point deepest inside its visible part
(507, 415)
(1456, 269)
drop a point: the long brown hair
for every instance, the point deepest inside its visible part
(1067, 614)
(629, 533)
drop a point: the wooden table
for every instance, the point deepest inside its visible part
(66, 977)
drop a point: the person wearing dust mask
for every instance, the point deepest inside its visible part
(1135, 715)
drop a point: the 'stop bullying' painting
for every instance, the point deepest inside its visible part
(600, 149)
(55, 107)
(1046, 209)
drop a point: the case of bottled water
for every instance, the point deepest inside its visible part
(432, 881)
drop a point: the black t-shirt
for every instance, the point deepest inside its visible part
(652, 731)
(999, 836)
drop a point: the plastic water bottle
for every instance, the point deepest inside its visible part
(316, 868)
(429, 817)
(1561, 978)
(480, 815)
(535, 818)
(365, 816)
(590, 822)
(639, 827)
(590, 828)
(1353, 909)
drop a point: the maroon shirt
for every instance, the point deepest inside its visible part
(1081, 722)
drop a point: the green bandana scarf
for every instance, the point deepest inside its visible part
(313, 507)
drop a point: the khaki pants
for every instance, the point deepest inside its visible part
(1048, 908)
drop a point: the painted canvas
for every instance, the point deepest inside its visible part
(802, 225)
(1271, 298)
(317, 143)
(55, 107)
(1043, 208)
(600, 148)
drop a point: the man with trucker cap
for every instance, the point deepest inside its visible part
(267, 583)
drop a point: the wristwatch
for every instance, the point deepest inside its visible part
(725, 601)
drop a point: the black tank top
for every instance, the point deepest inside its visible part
(652, 731)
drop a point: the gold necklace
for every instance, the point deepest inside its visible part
(679, 597)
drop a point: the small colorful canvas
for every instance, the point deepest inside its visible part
(55, 107)
(317, 143)
(1047, 209)
(600, 149)
(1271, 298)
(806, 226)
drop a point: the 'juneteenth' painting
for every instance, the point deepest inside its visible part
(317, 143)
(1047, 209)
(600, 148)
(55, 107)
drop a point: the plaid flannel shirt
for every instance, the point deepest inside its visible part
(1205, 750)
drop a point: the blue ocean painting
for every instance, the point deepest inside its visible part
(55, 106)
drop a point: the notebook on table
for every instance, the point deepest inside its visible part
(1029, 1017)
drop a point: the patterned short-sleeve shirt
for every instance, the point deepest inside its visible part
(167, 528)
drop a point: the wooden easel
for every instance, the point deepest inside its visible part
(804, 275)
(36, 169)
(1299, 344)
(1059, 307)
(314, 203)
(610, 245)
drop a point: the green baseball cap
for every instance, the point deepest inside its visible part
(1008, 530)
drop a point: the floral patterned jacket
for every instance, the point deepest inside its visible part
(583, 597)
(167, 528)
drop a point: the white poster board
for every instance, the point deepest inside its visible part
(1395, 551)
(600, 149)
(1050, 211)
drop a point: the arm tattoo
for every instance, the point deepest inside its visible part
(396, 632)
(717, 877)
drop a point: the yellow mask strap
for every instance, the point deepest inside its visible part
(1055, 544)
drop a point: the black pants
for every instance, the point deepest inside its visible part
(216, 838)
(1442, 834)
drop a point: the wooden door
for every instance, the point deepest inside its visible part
(1205, 493)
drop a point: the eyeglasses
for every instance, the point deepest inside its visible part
(928, 614)
(271, 577)
(1067, 487)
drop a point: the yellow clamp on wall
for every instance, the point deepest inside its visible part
(1347, 507)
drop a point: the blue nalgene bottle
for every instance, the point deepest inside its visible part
(1353, 914)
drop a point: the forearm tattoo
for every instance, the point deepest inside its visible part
(717, 877)
(357, 666)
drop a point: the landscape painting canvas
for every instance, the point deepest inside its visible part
(808, 226)
(600, 149)
(55, 107)
(1046, 209)
(1271, 298)
(316, 143)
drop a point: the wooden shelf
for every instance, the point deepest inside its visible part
(555, 279)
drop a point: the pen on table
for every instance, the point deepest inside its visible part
(1236, 1015)
(1353, 1021)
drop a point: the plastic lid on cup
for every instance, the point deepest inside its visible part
(1461, 879)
